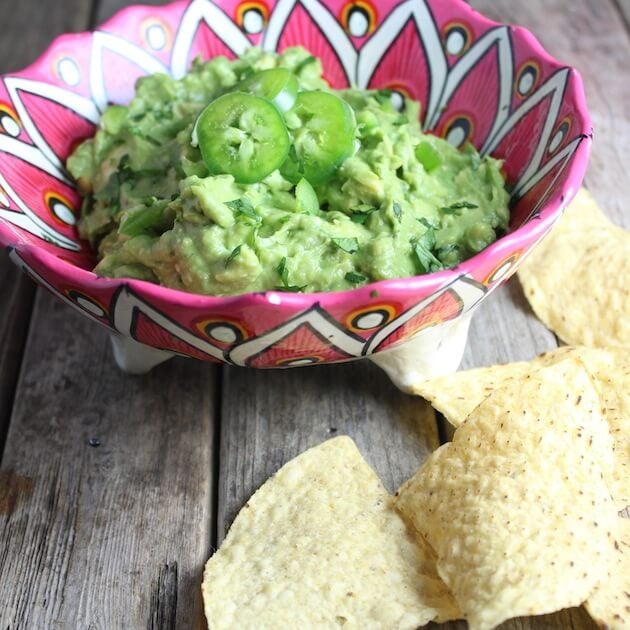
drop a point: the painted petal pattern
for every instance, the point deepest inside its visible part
(478, 81)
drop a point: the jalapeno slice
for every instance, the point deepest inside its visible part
(322, 127)
(242, 135)
(277, 85)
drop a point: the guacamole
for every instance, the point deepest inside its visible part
(238, 178)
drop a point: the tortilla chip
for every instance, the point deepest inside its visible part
(458, 394)
(576, 280)
(517, 507)
(611, 369)
(610, 604)
(320, 545)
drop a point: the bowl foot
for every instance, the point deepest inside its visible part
(432, 352)
(134, 357)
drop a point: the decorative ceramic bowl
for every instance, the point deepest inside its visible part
(478, 81)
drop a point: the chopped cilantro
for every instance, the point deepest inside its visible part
(430, 225)
(252, 236)
(349, 245)
(247, 72)
(397, 211)
(460, 205)
(383, 96)
(136, 131)
(305, 62)
(291, 288)
(235, 252)
(361, 214)
(243, 208)
(355, 278)
(283, 272)
(161, 114)
(147, 219)
(428, 262)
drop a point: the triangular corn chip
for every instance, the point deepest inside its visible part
(321, 545)
(577, 279)
(517, 507)
(456, 395)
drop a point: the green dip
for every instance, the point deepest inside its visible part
(403, 203)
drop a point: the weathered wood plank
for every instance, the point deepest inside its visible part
(107, 481)
(105, 513)
(268, 417)
(624, 8)
(28, 28)
(107, 8)
(16, 298)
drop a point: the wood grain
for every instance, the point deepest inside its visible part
(269, 417)
(107, 8)
(624, 9)
(505, 329)
(16, 298)
(28, 29)
(108, 480)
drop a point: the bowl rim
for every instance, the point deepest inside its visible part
(534, 229)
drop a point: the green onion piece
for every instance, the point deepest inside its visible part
(235, 252)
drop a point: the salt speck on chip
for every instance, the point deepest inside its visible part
(321, 545)
(517, 506)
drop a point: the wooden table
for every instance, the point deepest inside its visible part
(115, 489)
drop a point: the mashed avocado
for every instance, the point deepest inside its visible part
(399, 203)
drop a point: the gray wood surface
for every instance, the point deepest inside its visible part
(268, 417)
(16, 298)
(106, 514)
(115, 535)
(624, 9)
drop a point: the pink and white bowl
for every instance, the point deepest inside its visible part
(478, 81)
